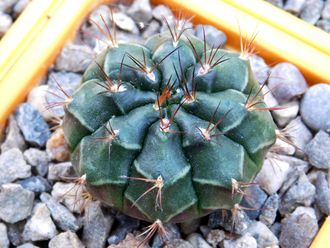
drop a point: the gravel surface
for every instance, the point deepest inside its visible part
(41, 206)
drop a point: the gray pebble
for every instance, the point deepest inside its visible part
(66, 239)
(60, 171)
(245, 241)
(38, 159)
(27, 245)
(20, 6)
(254, 199)
(215, 236)
(214, 37)
(4, 241)
(318, 151)
(35, 184)
(140, 11)
(262, 234)
(14, 138)
(61, 215)
(96, 226)
(6, 5)
(278, 3)
(15, 203)
(75, 58)
(286, 82)
(269, 210)
(299, 229)
(324, 24)
(5, 23)
(178, 243)
(294, 6)
(322, 194)
(315, 107)
(312, 11)
(197, 241)
(152, 28)
(260, 69)
(172, 231)
(15, 232)
(13, 166)
(102, 12)
(126, 23)
(289, 112)
(295, 163)
(40, 226)
(302, 192)
(276, 229)
(35, 130)
(326, 10)
(161, 11)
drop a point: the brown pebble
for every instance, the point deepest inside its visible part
(57, 148)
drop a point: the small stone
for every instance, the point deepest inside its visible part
(299, 229)
(289, 112)
(37, 99)
(298, 133)
(178, 243)
(20, 6)
(246, 241)
(322, 194)
(38, 159)
(124, 22)
(161, 11)
(5, 23)
(15, 203)
(4, 241)
(14, 138)
(269, 210)
(35, 130)
(189, 227)
(197, 241)
(40, 226)
(130, 241)
(27, 245)
(74, 58)
(57, 148)
(102, 12)
(214, 37)
(66, 239)
(278, 3)
(276, 229)
(318, 151)
(140, 11)
(286, 82)
(96, 226)
(152, 28)
(324, 24)
(255, 199)
(295, 163)
(172, 232)
(302, 192)
(35, 184)
(262, 234)
(60, 214)
(60, 171)
(315, 107)
(326, 10)
(269, 99)
(215, 236)
(272, 175)
(15, 232)
(6, 5)
(283, 147)
(260, 69)
(294, 6)
(312, 11)
(13, 166)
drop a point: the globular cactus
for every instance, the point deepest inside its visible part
(169, 130)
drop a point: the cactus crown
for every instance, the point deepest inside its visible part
(167, 130)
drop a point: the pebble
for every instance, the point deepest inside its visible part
(124, 22)
(178, 243)
(140, 11)
(302, 192)
(318, 151)
(40, 226)
(152, 28)
(4, 241)
(276, 229)
(315, 107)
(38, 159)
(20, 6)
(74, 58)
(35, 184)
(99, 13)
(269, 210)
(37, 99)
(5, 23)
(161, 11)
(260, 69)
(15, 232)
(197, 241)
(312, 11)
(299, 229)
(322, 194)
(246, 241)
(214, 37)
(326, 10)
(254, 199)
(324, 24)
(283, 147)
(96, 226)
(66, 239)
(172, 231)
(295, 163)
(60, 171)
(189, 227)
(286, 82)
(60, 214)
(15, 203)
(14, 138)
(215, 236)
(294, 6)
(272, 175)
(125, 225)
(57, 148)
(35, 130)
(13, 166)
(262, 234)
(6, 5)
(130, 241)
(27, 245)
(278, 3)
(289, 112)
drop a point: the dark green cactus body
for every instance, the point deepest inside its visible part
(196, 156)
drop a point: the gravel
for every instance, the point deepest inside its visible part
(318, 150)
(312, 11)
(66, 239)
(5, 23)
(269, 210)
(246, 241)
(213, 36)
(14, 139)
(4, 241)
(322, 194)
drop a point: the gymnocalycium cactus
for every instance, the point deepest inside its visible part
(167, 131)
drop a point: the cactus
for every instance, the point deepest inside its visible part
(170, 130)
